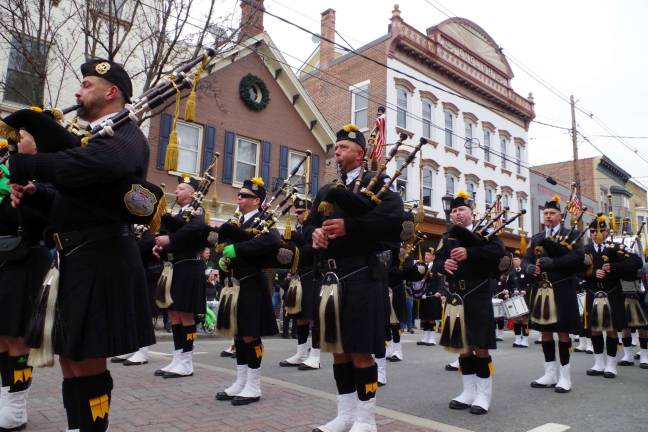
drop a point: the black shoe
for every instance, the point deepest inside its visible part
(238, 400)
(536, 384)
(477, 410)
(393, 359)
(589, 352)
(578, 350)
(421, 343)
(117, 360)
(517, 345)
(381, 384)
(637, 356)
(175, 375)
(562, 390)
(499, 339)
(456, 405)
(538, 342)
(17, 428)
(609, 375)
(226, 353)
(594, 372)
(222, 396)
(159, 372)
(643, 365)
(305, 367)
(284, 363)
(625, 363)
(130, 363)
(451, 368)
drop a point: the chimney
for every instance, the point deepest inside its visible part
(327, 49)
(251, 19)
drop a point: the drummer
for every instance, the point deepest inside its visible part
(518, 291)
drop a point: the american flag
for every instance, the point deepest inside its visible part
(575, 206)
(497, 208)
(379, 144)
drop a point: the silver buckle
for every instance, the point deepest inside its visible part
(332, 265)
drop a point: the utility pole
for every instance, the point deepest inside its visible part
(575, 151)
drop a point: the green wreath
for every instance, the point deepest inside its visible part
(254, 92)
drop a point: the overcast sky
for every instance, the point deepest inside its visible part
(594, 49)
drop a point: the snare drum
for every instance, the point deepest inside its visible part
(498, 308)
(581, 302)
(630, 288)
(515, 307)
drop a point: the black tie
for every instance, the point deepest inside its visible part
(242, 220)
(344, 178)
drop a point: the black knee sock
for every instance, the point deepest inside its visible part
(549, 350)
(189, 337)
(94, 401)
(517, 329)
(388, 335)
(71, 402)
(588, 333)
(366, 382)
(241, 352)
(643, 343)
(433, 326)
(425, 325)
(178, 336)
(563, 351)
(343, 374)
(20, 373)
(525, 330)
(315, 336)
(627, 341)
(597, 343)
(484, 366)
(611, 346)
(255, 353)
(4, 369)
(468, 365)
(500, 324)
(302, 334)
(395, 330)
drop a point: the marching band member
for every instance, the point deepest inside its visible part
(352, 255)
(254, 314)
(561, 273)
(605, 302)
(470, 270)
(517, 284)
(305, 319)
(430, 305)
(103, 308)
(182, 246)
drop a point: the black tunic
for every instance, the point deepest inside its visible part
(478, 272)
(103, 307)
(622, 264)
(363, 283)
(310, 286)
(565, 283)
(430, 307)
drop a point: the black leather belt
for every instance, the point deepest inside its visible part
(344, 263)
(72, 239)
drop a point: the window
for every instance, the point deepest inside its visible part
(487, 139)
(503, 146)
(603, 203)
(246, 156)
(505, 201)
(489, 196)
(469, 136)
(426, 113)
(521, 206)
(360, 106)
(472, 190)
(427, 186)
(625, 202)
(301, 179)
(401, 182)
(26, 70)
(450, 185)
(449, 127)
(189, 139)
(518, 159)
(401, 110)
(110, 7)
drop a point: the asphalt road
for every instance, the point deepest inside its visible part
(421, 387)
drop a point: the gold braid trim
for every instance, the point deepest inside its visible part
(9, 132)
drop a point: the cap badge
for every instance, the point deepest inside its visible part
(102, 68)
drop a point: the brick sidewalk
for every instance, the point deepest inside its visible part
(142, 402)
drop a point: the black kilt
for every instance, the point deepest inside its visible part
(310, 297)
(103, 303)
(430, 308)
(255, 315)
(617, 306)
(20, 283)
(479, 317)
(362, 314)
(569, 319)
(188, 286)
(398, 302)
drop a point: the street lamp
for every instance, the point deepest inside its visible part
(447, 203)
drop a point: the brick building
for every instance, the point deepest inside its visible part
(600, 177)
(265, 143)
(451, 85)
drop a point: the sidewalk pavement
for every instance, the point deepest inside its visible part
(142, 402)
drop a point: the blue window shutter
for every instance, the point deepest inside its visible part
(209, 145)
(228, 157)
(314, 180)
(165, 130)
(283, 162)
(266, 148)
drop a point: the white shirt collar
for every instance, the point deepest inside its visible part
(101, 120)
(351, 175)
(551, 231)
(248, 215)
(469, 227)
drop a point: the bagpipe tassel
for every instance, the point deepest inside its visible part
(172, 151)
